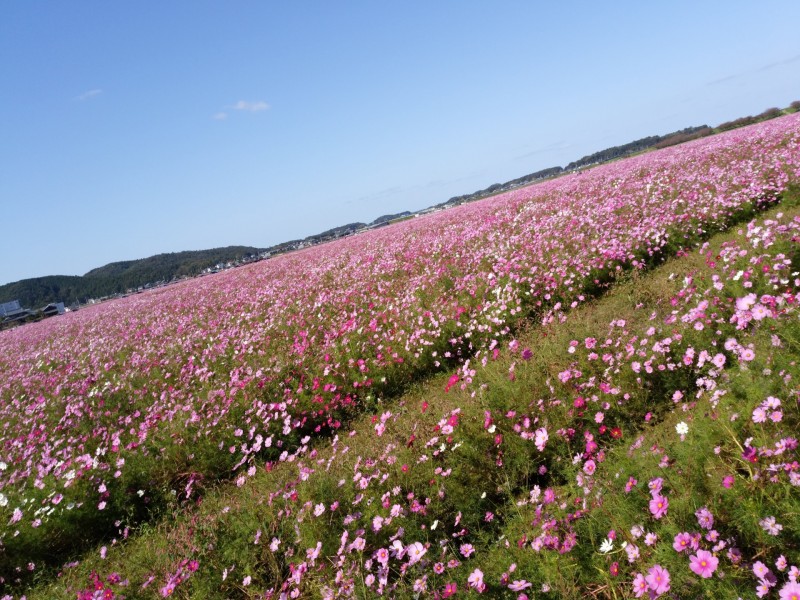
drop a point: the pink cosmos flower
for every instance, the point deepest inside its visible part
(640, 586)
(761, 570)
(167, 589)
(415, 552)
(770, 525)
(632, 550)
(682, 542)
(475, 580)
(705, 518)
(519, 585)
(790, 591)
(466, 550)
(658, 506)
(655, 485)
(703, 563)
(747, 354)
(541, 439)
(658, 580)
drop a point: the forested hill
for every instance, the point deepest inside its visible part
(119, 277)
(172, 265)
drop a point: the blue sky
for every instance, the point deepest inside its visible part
(131, 129)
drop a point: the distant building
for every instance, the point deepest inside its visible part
(53, 309)
(11, 313)
(9, 307)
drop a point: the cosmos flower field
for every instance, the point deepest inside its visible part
(537, 470)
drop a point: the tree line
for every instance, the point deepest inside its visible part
(119, 277)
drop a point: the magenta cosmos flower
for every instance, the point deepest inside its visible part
(683, 541)
(449, 590)
(703, 563)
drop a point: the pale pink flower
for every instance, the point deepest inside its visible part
(790, 591)
(475, 580)
(541, 439)
(415, 552)
(519, 585)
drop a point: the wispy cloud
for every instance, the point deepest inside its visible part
(245, 105)
(241, 106)
(723, 79)
(384, 194)
(555, 146)
(88, 95)
(779, 63)
(379, 195)
(761, 69)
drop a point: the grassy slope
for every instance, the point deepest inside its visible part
(220, 532)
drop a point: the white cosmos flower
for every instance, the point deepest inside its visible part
(607, 546)
(682, 428)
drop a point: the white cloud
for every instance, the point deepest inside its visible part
(250, 106)
(220, 116)
(89, 94)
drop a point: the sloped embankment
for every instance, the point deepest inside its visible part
(644, 446)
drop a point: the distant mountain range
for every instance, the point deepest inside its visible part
(130, 276)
